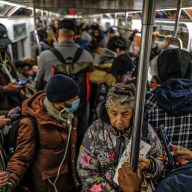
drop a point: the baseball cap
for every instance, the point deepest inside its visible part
(4, 39)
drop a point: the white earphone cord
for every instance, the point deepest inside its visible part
(59, 169)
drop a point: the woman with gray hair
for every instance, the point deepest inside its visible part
(107, 138)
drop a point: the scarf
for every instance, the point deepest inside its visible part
(55, 113)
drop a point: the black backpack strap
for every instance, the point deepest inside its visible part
(77, 55)
(14, 130)
(58, 55)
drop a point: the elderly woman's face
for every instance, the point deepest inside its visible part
(120, 117)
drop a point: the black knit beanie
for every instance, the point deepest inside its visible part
(122, 64)
(174, 63)
(61, 88)
(67, 24)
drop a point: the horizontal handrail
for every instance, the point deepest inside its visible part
(124, 28)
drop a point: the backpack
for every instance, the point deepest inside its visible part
(78, 71)
(24, 185)
(178, 180)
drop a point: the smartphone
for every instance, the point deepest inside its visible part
(21, 83)
(166, 144)
(13, 113)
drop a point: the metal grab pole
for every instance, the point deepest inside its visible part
(124, 28)
(36, 34)
(146, 40)
(179, 5)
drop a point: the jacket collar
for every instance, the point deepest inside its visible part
(67, 43)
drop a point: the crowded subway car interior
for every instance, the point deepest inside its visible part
(95, 95)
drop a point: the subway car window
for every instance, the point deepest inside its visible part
(22, 11)
(4, 9)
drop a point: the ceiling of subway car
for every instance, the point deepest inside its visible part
(97, 6)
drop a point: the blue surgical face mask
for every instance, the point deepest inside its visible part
(72, 109)
(74, 106)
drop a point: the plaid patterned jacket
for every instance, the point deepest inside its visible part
(178, 128)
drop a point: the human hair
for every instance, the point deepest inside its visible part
(66, 33)
(117, 42)
(123, 94)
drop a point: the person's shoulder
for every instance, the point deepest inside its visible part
(150, 100)
(96, 124)
(149, 95)
(87, 53)
(45, 53)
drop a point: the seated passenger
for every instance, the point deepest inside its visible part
(107, 138)
(51, 156)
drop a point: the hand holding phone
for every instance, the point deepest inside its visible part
(22, 83)
(13, 113)
(166, 144)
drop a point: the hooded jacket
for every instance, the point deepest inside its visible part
(175, 96)
(169, 105)
(52, 141)
(174, 63)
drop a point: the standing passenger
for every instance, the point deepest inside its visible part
(51, 156)
(169, 106)
(68, 48)
(52, 36)
(10, 95)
